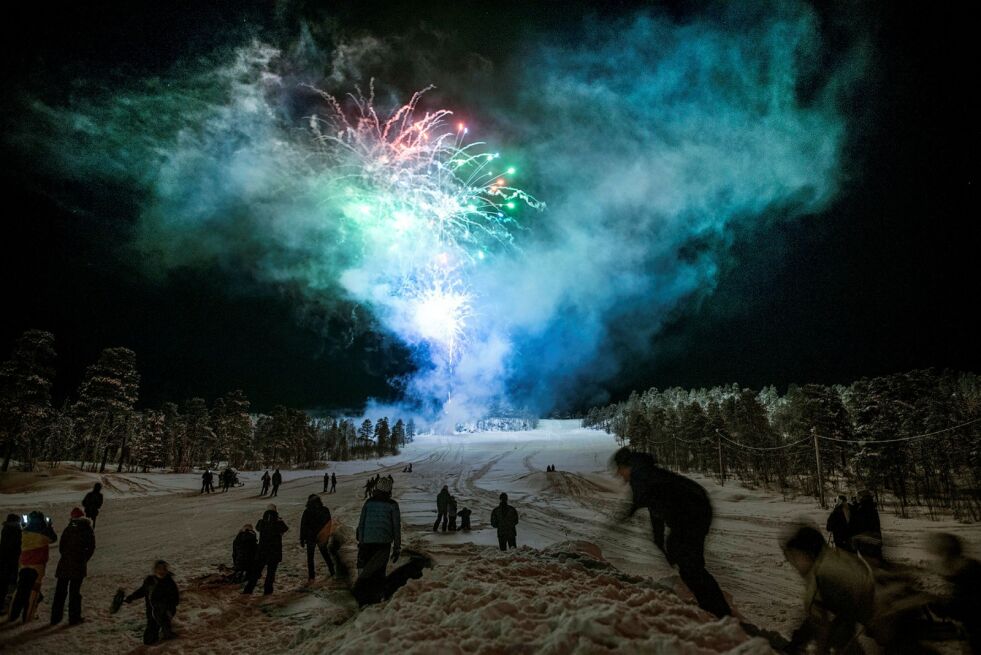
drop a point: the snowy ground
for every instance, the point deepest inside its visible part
(609, 587)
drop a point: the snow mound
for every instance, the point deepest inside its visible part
(562, 483)
(566, 599)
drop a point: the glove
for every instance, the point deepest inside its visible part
(395, 554)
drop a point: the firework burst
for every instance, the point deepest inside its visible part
(427, 205)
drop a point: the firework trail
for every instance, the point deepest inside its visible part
(426, 207)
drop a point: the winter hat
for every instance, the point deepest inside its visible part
(271, 508)
(77, 513)
(504, 498)
(384, 485)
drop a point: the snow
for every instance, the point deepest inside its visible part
(541, 598)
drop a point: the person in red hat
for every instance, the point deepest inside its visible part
(76, 546)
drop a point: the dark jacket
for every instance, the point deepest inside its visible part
(76, 546)
(265, 479)
(838, 526)
(160, 594)
(380, 522)
(277, 479)
(92, 503)
(505, 519)
(244, 550)
(672, 500)
(314, 518)
(9, 550)
(443, 500)
(865, 518)
(451, 507)
(271, 529)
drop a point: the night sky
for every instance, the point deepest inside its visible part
(880, 279)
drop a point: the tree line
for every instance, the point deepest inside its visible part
(913, 439)
(101, 424)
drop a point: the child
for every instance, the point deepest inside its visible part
(162, 597)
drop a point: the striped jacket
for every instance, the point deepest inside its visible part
(34, 542)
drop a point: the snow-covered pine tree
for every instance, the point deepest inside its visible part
(106, 399)
(25, 396)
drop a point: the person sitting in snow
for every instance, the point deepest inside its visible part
(465, 519)
(244, 551)
(379, 535)
(682, 506)
(505, 519)
(76, 546)
(162, 597)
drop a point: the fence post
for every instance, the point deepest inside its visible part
(817, 458)
(722, 470)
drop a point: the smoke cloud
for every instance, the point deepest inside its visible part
(649, 139)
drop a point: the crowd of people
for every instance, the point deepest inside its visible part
(850, 590)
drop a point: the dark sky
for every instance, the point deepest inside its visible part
(884, 280)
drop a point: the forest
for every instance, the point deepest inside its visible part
(913, 439)
(100, 425)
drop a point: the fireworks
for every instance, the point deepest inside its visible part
(427, 205)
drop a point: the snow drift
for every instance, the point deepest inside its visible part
(565, 599)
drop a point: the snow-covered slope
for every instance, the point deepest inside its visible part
(553, 597)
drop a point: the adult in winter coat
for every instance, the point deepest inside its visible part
(9, 556)
(35, 538)
(93, 503)
(333, 482)
(271, 529)
(866, 531)
(315, 533)
(76, 546)
(682, 506)
(505, 519)
(442, 508)
(206, 481)
(379, 536)
(465, 518)
(244, 551)
(839, 592)
(451, 513)
(326, 482)
(162, 598)
(838, 525)
(265, 483)
(964, 576)
(277, 479)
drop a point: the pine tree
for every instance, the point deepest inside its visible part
(382, 437)
(237, 427)
(410, 430)
(148, 448)
(398, 434)
(25, 395)
(365, 433)
(200, 436)
(104, 411)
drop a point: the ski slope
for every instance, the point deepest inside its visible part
(578, 583)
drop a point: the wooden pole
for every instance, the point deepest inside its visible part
(722, 470)
(817, 458)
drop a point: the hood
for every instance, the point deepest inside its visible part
(270, 515)
(81, 522)
(314, 502)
